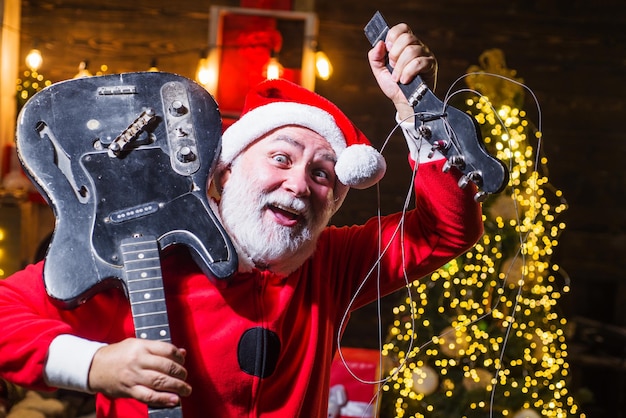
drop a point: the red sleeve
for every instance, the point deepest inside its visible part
(444, 224)
(30, 321)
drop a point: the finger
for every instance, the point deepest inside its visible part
(154, 398)
(395, 31)
(415, 60)
(162, 382)
(378, 55)
(165, 350)
(167, 366)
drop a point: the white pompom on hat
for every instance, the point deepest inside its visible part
(276, 103)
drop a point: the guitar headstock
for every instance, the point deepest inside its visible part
(453, 133)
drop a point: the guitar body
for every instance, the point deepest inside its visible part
(118, 156)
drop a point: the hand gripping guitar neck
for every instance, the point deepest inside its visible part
(453, 133)
(124, 162)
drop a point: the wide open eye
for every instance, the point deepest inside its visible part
(281, 158)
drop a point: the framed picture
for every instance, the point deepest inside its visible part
(242, 41)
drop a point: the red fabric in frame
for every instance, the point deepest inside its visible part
(267, 4)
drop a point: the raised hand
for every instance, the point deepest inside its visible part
(408, 57)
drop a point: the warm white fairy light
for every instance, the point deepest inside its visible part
(503, 283)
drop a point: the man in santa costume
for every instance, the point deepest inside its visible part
(262, 345)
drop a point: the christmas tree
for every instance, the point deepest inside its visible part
(482, 336)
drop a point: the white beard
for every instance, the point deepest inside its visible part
(269, 245)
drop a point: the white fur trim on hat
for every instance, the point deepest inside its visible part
(359, 165)
(263, 119)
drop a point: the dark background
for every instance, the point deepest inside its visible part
(572, 54)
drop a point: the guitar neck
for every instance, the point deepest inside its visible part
(144, 283)
(376, 30)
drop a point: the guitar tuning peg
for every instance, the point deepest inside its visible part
(454, 161)
(439, 145)
(425, 131)
(473, 176)
(481, 197)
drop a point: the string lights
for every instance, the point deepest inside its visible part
(482, 336)
(34, 59)
(273, 69)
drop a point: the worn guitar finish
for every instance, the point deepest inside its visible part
(120, 156)
(453, 133)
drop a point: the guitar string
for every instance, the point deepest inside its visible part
(400, 230)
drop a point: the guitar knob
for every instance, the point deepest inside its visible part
(177, 108)
(185, 155)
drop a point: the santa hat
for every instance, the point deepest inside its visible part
(276, 103)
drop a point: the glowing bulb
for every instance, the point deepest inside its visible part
(34, 59)
(153, 66)
(273, 69)
(323, 66)
(205, 74)
(82, 70)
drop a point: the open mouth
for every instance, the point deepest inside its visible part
(285, 215)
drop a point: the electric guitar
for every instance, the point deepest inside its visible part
(450, 131)
(124, 161)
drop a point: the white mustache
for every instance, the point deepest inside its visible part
(296, 205)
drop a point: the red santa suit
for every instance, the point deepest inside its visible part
(283, 330)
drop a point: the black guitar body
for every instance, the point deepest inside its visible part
(119, 156)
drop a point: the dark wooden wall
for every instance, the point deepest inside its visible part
(572, 54)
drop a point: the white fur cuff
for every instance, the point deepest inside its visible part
(68, 362)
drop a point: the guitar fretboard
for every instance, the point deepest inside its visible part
(144, 282)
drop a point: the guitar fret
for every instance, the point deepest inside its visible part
(144, 284)
(139, 315)
(143, 279)
(140, 302)
(146, 290)
(152, 326)
(141, 260)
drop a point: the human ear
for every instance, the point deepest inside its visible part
(220, 177)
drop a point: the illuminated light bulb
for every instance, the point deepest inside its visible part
(153, 66)
(34, 59)
(323, 67)
(273, 69)
(82, 70)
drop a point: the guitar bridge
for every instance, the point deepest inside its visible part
(120, 143)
